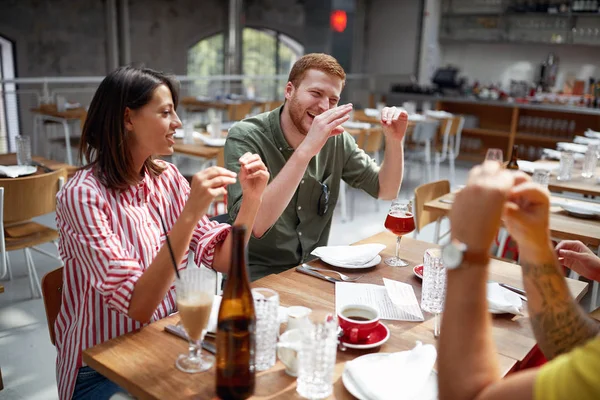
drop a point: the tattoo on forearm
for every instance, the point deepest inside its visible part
(558, 322)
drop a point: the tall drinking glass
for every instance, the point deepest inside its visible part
(494, 155)
(566, 166)
(195, 294)
(433, 294)
(266, 306)
(399, 221)
(23, 150)
(316, 360)
(590, 161)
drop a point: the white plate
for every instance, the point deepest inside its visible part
(17, 170)
(429, 392)
(579, 211)
(370, 264)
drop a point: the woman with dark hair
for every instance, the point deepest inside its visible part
(118, 272)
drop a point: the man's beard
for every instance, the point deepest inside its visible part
(297, 115)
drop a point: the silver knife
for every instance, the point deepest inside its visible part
(513, 289)
(317, 274)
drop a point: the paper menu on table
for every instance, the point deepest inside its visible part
(395, 301)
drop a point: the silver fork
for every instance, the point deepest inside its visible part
(343, 277)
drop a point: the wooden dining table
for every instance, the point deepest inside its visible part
(11, 159)
(199, 149)
(143, 362)
(563, 226)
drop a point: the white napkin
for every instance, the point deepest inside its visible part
(13, 171)
(501, 300)
(179, 134)
(349, 255)
(586, 140)
(389, 375)
(555, 154)
(213, 142)
(438, 114)
(214, 314)
(356, 125)
(372, 112)
(592, 134)
(530, 167)
(416, 117)
(574, 147)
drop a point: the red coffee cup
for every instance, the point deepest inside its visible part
(358, 321)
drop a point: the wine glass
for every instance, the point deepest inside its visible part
(399, 221)
(494, 155)
(195, 296)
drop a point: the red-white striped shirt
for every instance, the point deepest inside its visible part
(107, 240)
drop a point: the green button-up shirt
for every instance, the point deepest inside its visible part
(299, 230)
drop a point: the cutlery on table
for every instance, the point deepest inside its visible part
(45, 168)
(520, 292)
(180, 332)
(317, 275)
(343, 277)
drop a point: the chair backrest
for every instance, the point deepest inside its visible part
(239, 111)
(52, 284)
(31, 196)
(425, 193)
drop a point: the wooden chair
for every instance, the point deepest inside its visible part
(451, 129)
(271, 105)
(238, 112)
(52, 284)
(423, 194)
(22, 199)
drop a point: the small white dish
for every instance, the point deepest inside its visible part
(580, 211)
(369, 264)
(14, 171)
(429, 392)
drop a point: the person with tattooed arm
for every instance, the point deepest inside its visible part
(568, 337)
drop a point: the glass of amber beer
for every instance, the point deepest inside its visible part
(399, 221)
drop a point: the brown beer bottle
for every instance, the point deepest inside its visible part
(512, 164)
(236, 327)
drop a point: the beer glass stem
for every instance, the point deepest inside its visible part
(195, 349)
(398, 238)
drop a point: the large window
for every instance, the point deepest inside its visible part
(264, 52)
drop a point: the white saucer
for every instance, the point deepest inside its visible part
(580, 211)
(429, 392)
(369, 264)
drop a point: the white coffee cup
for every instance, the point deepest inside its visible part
(297, 317)
(288, 348)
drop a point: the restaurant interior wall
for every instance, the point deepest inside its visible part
(498, 62)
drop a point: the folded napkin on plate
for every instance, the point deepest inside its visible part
(13, 171)
(555, 154)
(356, 125)
(213, 142)
(179, 133)
(586, 140)
(214, 314)
(438, 114)
(530, 167)
(371, 112)
(394, 375)
(349, 255)
(592, 134)
(574, 147)
(501, 300)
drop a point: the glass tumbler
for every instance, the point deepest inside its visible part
(317, 356)
(266, 306)
(590, 161)
(23, 150)
(541, 176)
(566, 166)
(434, 286)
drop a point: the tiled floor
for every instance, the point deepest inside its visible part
(27, 358)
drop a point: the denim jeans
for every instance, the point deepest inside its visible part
(93, 386)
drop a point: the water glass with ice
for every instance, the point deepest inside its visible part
(266, 306)
(434, 286)
(590, 161)
(317, 357)
(23, 150)
(566, 166)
